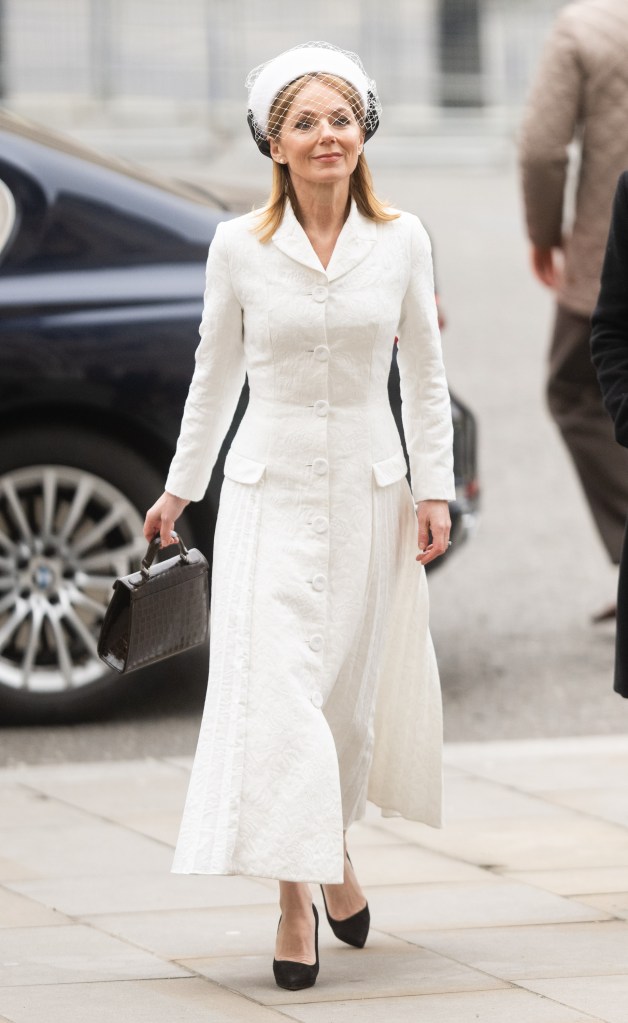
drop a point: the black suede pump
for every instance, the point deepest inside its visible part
(295, 976)
(354, 930)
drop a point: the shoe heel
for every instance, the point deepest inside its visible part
(296, 976)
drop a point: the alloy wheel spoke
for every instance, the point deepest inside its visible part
(63, 654)
(81, 496)
(100, 530)
(22, 610)
(17, 510)
(49, 495)
(8, 600)
(85, 581)
(89, 641)
(80, 599)
(37, 622)
(6, 544)
(118, 559)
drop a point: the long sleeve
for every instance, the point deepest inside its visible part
(609, 339)
(425, 405)
(217, 382)
(551, 117)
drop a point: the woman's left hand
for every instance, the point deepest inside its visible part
(433, 519)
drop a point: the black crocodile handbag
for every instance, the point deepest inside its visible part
(158, 611)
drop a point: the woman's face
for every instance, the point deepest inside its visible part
(320, 138)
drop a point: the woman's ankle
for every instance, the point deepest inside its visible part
(294, 898)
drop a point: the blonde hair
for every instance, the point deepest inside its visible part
(269, 217)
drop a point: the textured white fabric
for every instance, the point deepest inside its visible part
(323, 684)
(266, 82)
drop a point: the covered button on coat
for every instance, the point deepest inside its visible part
(323, 687)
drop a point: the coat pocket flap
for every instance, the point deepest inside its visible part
(242, 469)
(391, 469)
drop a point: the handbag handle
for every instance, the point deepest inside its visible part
(151, 553)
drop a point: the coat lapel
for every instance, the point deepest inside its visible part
(355, 241)
(291, 239)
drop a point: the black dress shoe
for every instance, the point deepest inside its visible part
(354, 930)
(295, 976)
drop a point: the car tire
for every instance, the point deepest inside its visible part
(72, 504)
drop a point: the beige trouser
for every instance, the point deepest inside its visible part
(576, 405)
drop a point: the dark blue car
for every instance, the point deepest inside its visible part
(101, 283)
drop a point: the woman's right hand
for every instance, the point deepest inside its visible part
(162, 517)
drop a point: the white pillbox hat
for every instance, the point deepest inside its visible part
(266, 81)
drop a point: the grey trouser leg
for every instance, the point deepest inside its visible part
(575, 402)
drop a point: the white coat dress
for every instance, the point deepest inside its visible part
(323, 686)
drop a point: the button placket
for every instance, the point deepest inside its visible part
(317, 581)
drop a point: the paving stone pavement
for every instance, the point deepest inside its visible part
(517, 909)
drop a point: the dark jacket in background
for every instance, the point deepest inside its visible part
(609, 346)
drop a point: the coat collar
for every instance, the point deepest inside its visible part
(355, 241)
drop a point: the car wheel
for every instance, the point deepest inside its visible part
(72, 506)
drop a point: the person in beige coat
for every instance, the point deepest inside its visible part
(580, 94)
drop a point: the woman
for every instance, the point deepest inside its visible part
(318, 605)
(609, 346)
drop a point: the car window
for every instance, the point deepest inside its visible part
(19, 126)
(7, 216)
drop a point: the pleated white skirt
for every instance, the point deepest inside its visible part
(295, 735)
